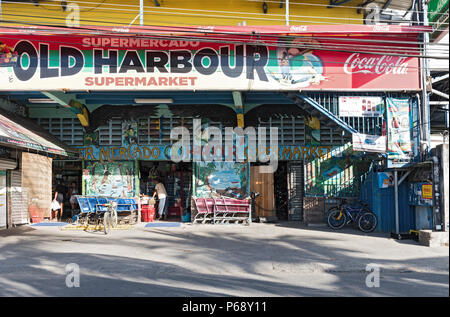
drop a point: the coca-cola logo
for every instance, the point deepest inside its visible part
(385, 64)
(298, 28)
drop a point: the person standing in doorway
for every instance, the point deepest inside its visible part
(160, 190)
(73, 190)
(59, 197)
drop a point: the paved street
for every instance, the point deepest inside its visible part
(203, 260)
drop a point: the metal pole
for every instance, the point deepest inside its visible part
(425, 72)
(287, 12)
(141, 11)
(397, 229)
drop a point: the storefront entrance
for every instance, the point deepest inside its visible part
(177, 180)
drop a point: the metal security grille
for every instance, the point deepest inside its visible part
(68, 130)
(154, 130)
(296, 181)
(291, 130)
(111, 134)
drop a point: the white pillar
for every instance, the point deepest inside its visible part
(141, 11)
(287, 12)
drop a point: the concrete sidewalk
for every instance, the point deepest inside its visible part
(281, 259)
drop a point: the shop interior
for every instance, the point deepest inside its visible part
(176, 178)
(66, 173)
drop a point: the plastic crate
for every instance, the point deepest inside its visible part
(36, 219)
(174, 211)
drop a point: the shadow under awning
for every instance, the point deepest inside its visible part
(20, 132)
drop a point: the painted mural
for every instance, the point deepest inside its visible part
(129, 132)
(337, 173)
(312, 130)
(215, 179)
(116, 179)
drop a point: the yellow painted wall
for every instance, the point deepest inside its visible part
(183, 12)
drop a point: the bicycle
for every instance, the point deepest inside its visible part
(343, 214)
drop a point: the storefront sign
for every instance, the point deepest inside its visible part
(399, 129)
(135, 63)
(427, 191)
(369, 143)
(355, 106)
(162, 152)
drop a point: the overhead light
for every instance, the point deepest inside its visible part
(41, 100)
(157, 101)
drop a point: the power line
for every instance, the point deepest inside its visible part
(341, 6)
(277, 42)
(311, 47)
(196, 31)
(233, 13)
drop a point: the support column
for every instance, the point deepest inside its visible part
(287, 12)
(397, 225)
(239, 108)
(425, 73)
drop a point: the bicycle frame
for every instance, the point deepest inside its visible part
(352, 213)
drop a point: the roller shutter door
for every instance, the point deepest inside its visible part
(19, 212)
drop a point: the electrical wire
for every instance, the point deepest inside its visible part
(339, 6)
(211, 11)
(172, 30)
(196, 31)
(279, 43)
(172, 38)
(157, 10)
(171, 21)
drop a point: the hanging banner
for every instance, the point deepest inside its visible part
(356, 106)
(369, 143)
(127, 62)
(399, 132)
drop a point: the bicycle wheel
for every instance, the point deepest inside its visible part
(106, 222)
(367, 222)
(336, 219)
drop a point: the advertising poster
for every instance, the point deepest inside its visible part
(399, 146)
(109, 179)
(369, 143)
(385, 179)
(355, 106)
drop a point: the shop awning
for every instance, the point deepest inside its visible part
(19, 132)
